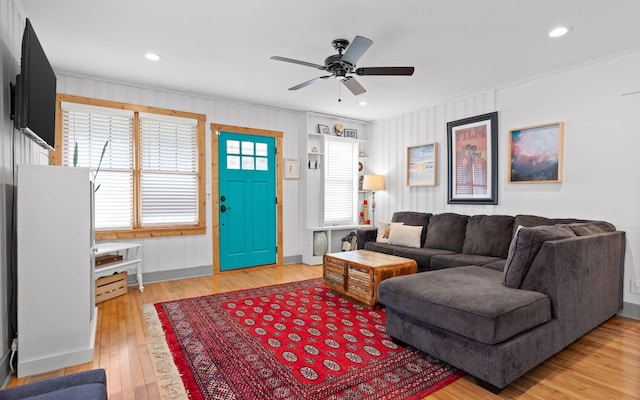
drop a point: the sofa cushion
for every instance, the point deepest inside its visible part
(590, 228)
(384, 230)
(421, 255)
(525, 247)
(413, 218)
(406, 235)
(470, 301)
(385, 248)
(488, 235)
(446, 231)
(534, 220)
(460, 260)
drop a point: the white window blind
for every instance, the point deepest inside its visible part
(168, 170)
(90, 128)
(340, 181)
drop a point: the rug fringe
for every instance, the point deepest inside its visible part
(166, 371)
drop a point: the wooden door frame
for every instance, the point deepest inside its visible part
(215, 183)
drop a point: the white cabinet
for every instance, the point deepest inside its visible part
(131, 260)
(55, 277)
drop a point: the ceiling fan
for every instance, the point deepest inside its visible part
(342, 66)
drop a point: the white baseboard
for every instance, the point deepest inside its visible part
(630, 310)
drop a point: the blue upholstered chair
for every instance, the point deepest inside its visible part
(87, 385)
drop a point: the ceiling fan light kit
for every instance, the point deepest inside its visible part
(343, 66)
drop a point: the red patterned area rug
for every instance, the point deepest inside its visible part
(292, 341)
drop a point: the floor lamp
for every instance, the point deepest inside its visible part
(373, 183)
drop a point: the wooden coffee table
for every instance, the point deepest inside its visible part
(357, 274)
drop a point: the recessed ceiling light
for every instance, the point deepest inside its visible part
(362, 103)
(152, 57)
(559, 31)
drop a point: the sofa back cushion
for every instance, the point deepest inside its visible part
(488, 235)
(590, 228)
(446, 231)
(413, 218)
(524, 248)
(534, 220)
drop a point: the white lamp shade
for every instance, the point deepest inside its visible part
(373, 182)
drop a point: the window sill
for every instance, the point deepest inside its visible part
(151, 232)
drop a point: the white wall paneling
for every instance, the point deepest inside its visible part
(15, 149)
(389, 141)
(602, 137)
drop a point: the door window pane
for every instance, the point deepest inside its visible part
(233, 147)
(247, 148)
(262, 164)
(247, 163)
(233, 162)
(261, 149)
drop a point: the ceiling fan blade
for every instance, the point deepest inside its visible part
(353, 85)
(406, 71)
(309, 82)
(356, 49)
(308, 64)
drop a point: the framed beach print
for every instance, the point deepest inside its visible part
(472, 160)
(422, 165)
(291, 168)
(535, 154)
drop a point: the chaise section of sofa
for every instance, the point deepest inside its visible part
(559, 282)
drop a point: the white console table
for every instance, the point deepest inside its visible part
(131, 260)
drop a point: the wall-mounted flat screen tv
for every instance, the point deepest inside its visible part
(35, 100)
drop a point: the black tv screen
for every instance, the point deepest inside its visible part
(36, 92)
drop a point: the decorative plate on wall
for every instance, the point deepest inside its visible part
(360, 166)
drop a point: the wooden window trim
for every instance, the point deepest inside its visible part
(138, 231)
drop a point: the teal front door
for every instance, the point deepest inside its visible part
(247, 200)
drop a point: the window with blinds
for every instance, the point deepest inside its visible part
(340, 181)
(146, 165)
(168, 170)
(87, 131)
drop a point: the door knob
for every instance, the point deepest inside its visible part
(224, 208)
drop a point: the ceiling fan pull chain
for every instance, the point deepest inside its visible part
(339, 95)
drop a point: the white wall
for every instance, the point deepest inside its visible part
(14, 149)
(601, 150)
(169, 253)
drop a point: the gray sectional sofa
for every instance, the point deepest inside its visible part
(497, 295)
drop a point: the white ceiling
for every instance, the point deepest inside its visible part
(222, 49)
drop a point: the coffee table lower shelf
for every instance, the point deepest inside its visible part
(357, 274)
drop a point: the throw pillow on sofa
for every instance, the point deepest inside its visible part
(406, 235)
(384, 229)
(524, 248)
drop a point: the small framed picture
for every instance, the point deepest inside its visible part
(324, 129)
(351, 133)
(291, 168)
(422, 165)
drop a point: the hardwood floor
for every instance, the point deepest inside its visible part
(604, 364)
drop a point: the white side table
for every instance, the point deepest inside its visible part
(131, 260)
